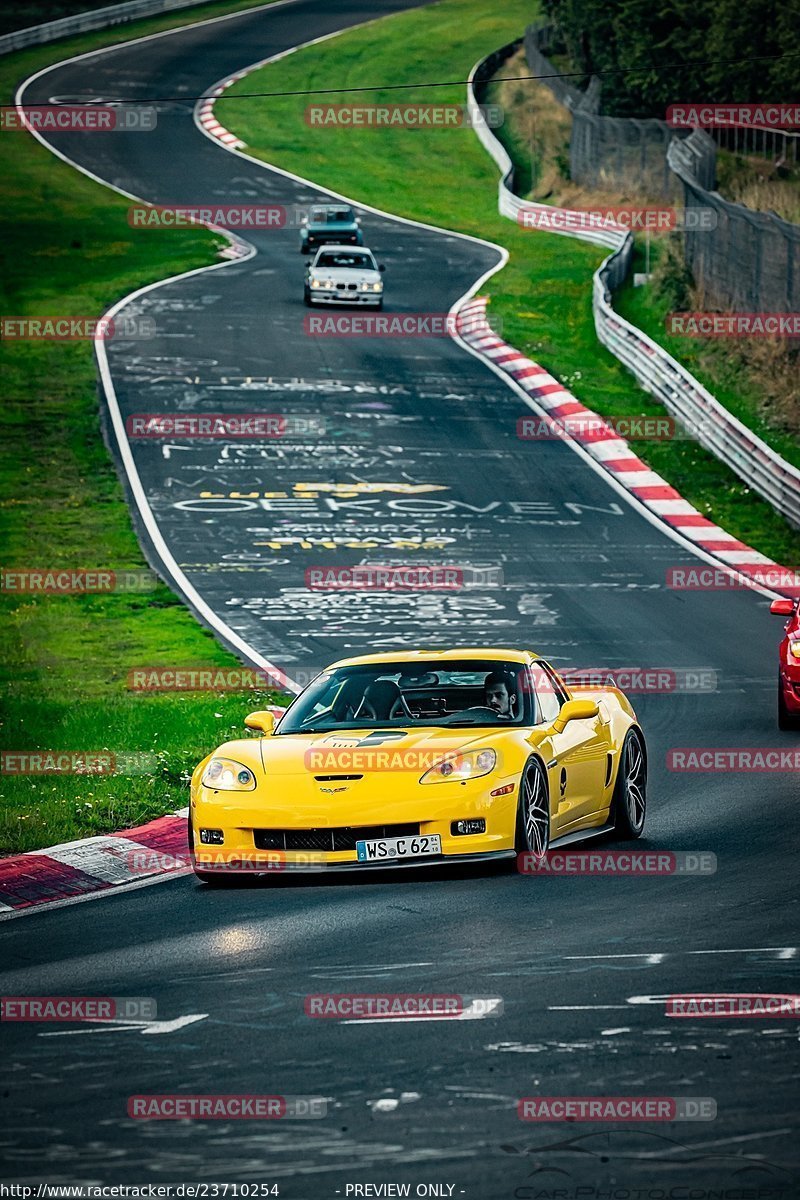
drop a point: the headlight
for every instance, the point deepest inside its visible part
(455, 767)
(794, 647)
(317, 283)
(225, 775)
(371, 287)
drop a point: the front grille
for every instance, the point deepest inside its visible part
(344, 838)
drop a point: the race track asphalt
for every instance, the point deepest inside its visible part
(584, 585)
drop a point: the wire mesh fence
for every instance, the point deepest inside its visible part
(616, 153)
(740, 259)
(746, 261)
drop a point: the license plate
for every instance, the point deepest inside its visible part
(386, 849)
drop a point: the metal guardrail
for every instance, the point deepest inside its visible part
(100, 18)
(683, 396)
(509, 204)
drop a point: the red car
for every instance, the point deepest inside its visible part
(789, 664)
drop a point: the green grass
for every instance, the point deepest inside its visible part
(67, 248)
(444, 177)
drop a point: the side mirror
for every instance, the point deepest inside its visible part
(784, 608)
(575, 710)
(264, 721)
(358, 220)
(381, 266)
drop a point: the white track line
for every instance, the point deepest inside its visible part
(145, 511)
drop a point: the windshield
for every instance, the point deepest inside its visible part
(448, 693)
(358, 259)
(331, 216)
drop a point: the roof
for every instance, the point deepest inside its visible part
(350, 249)
(325, 211)
(504, 654)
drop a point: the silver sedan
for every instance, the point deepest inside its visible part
(344, 275)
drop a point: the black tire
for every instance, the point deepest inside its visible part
(629, 803)
(379, 306)
(533, 811)
(306, 298)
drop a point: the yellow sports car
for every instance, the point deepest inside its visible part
(425, 756)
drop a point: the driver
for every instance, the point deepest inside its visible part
(500, 693)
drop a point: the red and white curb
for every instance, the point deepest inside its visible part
(98, 864)
(95, 864)
(608, 449)
(205, 114)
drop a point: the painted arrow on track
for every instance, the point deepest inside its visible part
(147, 1027)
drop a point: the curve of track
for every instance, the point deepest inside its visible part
(584, 584)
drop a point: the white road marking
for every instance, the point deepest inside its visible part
(167, 559)
(780, 951)
(144, 1027)
(745, 1137)
(581, 1007)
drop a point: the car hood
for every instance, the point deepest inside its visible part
(346, 274)
(330, 753)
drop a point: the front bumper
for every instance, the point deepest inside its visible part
(240, 819)
(279, 865)
(333, 239)
(325, 296)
